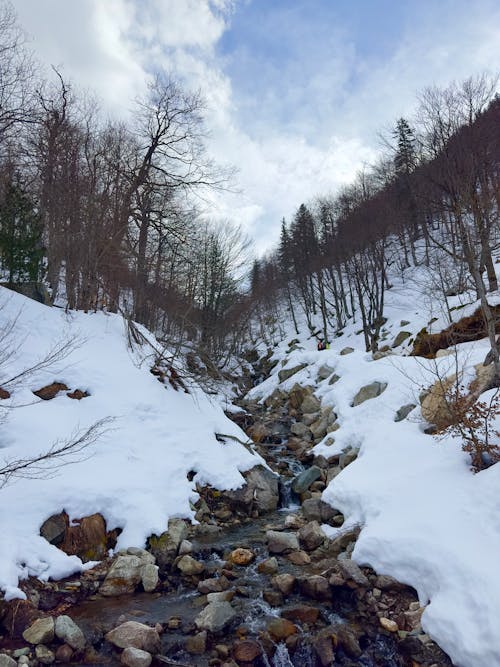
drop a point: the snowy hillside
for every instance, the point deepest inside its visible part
(135, 475)
(426, 519)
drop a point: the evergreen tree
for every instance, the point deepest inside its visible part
(405, 157)
(21, 250)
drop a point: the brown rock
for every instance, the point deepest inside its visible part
(387, 624)
(284, 583)
(78, 394)
(64, 653)
(273, 598)
(189, 566)
(316, 587)
(323, 646)
(197, 645)
(246, 650)
(268, 566)
(302, 613)
(241, 556)
(50, 391)
(136, 635)
(86, 538)
(4, 394)
(311, 536)
(281, 628)
(215, 585)
(299, 558)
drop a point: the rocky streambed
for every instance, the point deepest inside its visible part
(256, 582)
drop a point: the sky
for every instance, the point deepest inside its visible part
(296, 90)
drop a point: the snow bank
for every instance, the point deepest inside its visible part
(426, 519)
(135, 475)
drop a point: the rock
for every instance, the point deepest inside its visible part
(260, 491)
(285, 583)
(352, 571)
(387, 583)
(281, 628)
(404, 411)
(347, 457)
(135, 635)
(310, 404)
(387, 624)
(123, 577)
(215, 617)
(223, 596)
(279, 543)
(268, 566)
(247, 650)
(7, 661)
(316, 509)
(304, 480)
(50, 391)
(309, 418)
(273, 598)
(341, 542)
(346, 350)
(335, 378)
(164, 547)
(54, 527)
(44, 655)
(185, 547)
(379, 354)
(189, 566)
(323, 646)
(149, 577)
(69, 632)
(40, 632)
(302, 613)
(324, 372)
(368, 392)
(197, 644)
(135, 657)
(86, 538)
(400, 338)
(64, 653)
(215, 585)
(311, 536)
(300, 430)
(319, 429)
(299, 558)
(287, 373)
(241, 556)
(348, 640)
(315, 587)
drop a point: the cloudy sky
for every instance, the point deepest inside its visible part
(296, 90)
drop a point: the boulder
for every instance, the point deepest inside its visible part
(304, 480)
(347, 457)
(404, 411)
(260, 491)
(50, 391)
(388, 624)
(149, 577)
(68, 631)
(280, 543)
(316, 509)
(320, 428)
(286, 373)
(135, 635)
(215, 617)
(315, 587)
(299, 557)
(123, 577)
(400, 338)
(214, 585)
(311, 536)
(189, 566)
(352, 571)
(54, 527)
(335, 378)
(135, 657)
(165, 547)
(285, 583)
(64, 653)
(368, 392)
(40, 632)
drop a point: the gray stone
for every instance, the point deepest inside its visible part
(309, 418)
(315, 586)
(369, 391)
(40, 632)
(136, 635)
(123, 577)
(347, 457)
(351, 570)
(145, 556)
(287, 373)
(135, 657)
(189, 566)
(324, 372)
(346, 350)
(284, 583)
(7, 661)
(404, 411)
(310, 404)
(185, 547)
(300, 430)
(149, 577)
(165, 547)
(311, 536)
(304, 480)
(279, 542)
(335, 378)
(260, 491)
(54, 528)
(319, 428)
(400, 338)
(68, 631)
(44, 655)
(215, 617)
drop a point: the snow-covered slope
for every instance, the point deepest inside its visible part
(426, 518)
(135, 475)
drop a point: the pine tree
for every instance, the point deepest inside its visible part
(21, 249)
(405, 157)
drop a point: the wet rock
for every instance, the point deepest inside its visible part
(44, 655)
(299, 558)
(135, 635)
(241, 556)
(281, 628)
(69, 632)
(215, 585)
(273, 598)
(223, 596)
(7, 661)
(286, 373)
(268, 566)
(64, 653)
(352, 571)
(323, 647)
(387, 624)
(149, 577)
(304, 480)
(284, 583)
(315, 587)
(368, 392)
(404, 411)
(347, 639)
(189, 566)
(135, 657)
(123, 577)
(302, 613)
(280, 543)
(311, 536)
(316, 509)
(197, 645)
(246, 650)
(40, 632)
(215, 617)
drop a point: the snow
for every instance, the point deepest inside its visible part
(135, 474)
(425, 518)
